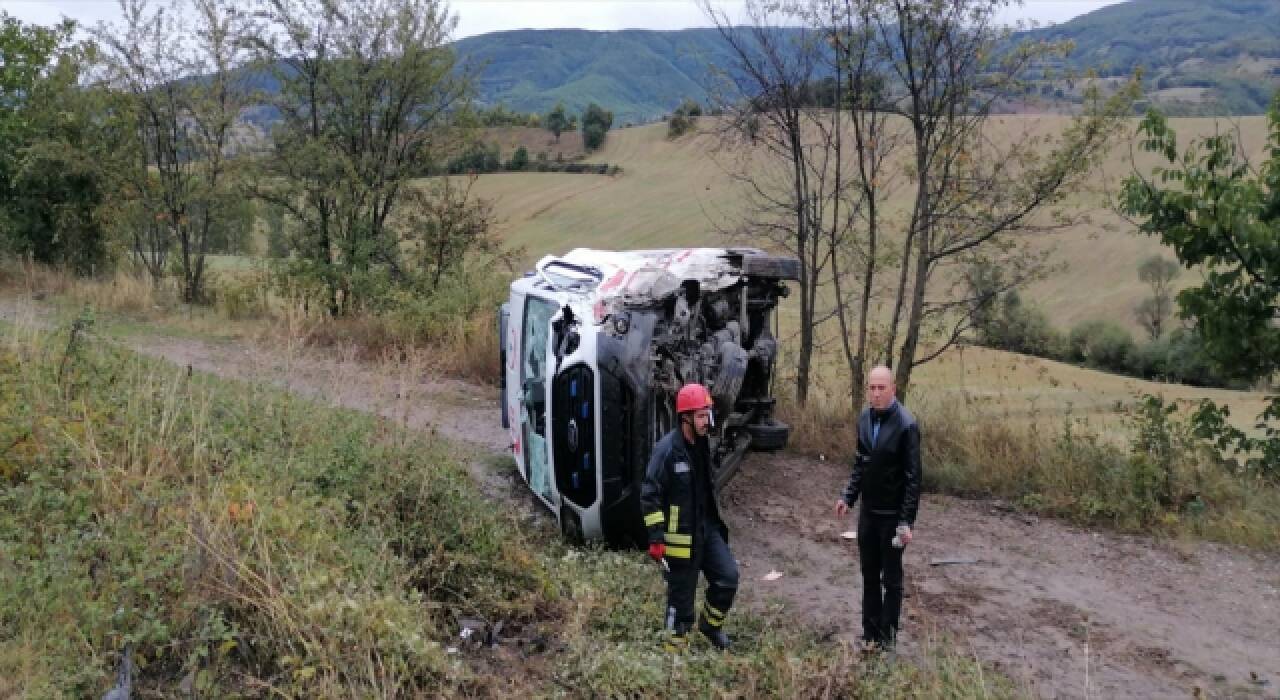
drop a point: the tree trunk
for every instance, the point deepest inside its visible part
(804, 360)
(906, 359)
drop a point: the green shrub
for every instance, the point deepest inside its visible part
(1023, 329)
(684, 118)
(519, 159)
(1149, 360)
(1177, 474)
(477, 158)
(596, 122)
(593, 136)
(1101, 344)
(240, 297)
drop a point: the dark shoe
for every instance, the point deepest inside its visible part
(714, 634)
(879, 648)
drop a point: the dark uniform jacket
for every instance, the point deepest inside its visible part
(675, 491)
(886, 473)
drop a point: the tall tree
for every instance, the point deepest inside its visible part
(912, 86)
(556, 121)
(1158, 272)
(858, 245)
(366, 91)
(769, 132)
(975, 195)
(28, 52)
(59, 136)
(596, 121)
(177, 65)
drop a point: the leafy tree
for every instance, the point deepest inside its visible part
(596, 122)
(58, 141)
(1158, 273)
(182, 179)
(593, 136)
(28, 51)
(443, 226)
(1219, 214)
(366, 95)
(917, 82)
(519, 159)
(556, 121)
(975, 197)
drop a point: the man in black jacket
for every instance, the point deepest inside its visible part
(685, 529)
(886, 473)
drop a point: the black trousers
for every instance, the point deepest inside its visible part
(712, 558)
(882, 577)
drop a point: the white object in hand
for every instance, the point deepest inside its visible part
(897, 537)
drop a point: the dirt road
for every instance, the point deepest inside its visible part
(1068, 612)
(1071, 613)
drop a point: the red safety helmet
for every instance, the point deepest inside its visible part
(692, 397)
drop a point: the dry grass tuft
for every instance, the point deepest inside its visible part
(1113, 475)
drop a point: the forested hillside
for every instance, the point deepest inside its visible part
(1197, 57)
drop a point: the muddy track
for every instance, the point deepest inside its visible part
(1067, 612)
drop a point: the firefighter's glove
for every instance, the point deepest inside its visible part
(657, 550)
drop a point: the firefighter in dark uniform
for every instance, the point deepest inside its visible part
(886, 475)
(685, 529)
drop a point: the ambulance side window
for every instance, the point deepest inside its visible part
(535, 336)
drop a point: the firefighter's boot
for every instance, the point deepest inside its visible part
(713, 633)
(676, 638)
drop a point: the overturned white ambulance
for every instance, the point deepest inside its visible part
(595, 345)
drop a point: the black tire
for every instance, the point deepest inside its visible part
(781, 267)
(768, 437)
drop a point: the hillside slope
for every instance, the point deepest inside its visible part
(681, 193)
(1213, 56)
(1197, 57)
(638, 74)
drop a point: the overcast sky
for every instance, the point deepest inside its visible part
(483, 16)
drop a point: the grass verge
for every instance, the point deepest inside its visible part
(1165, 481)
(452, 332)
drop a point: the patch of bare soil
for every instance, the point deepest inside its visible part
(1068, 612)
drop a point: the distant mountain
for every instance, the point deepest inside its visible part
(1198, 56)
(638, 74)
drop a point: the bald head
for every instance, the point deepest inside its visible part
(880, 387)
